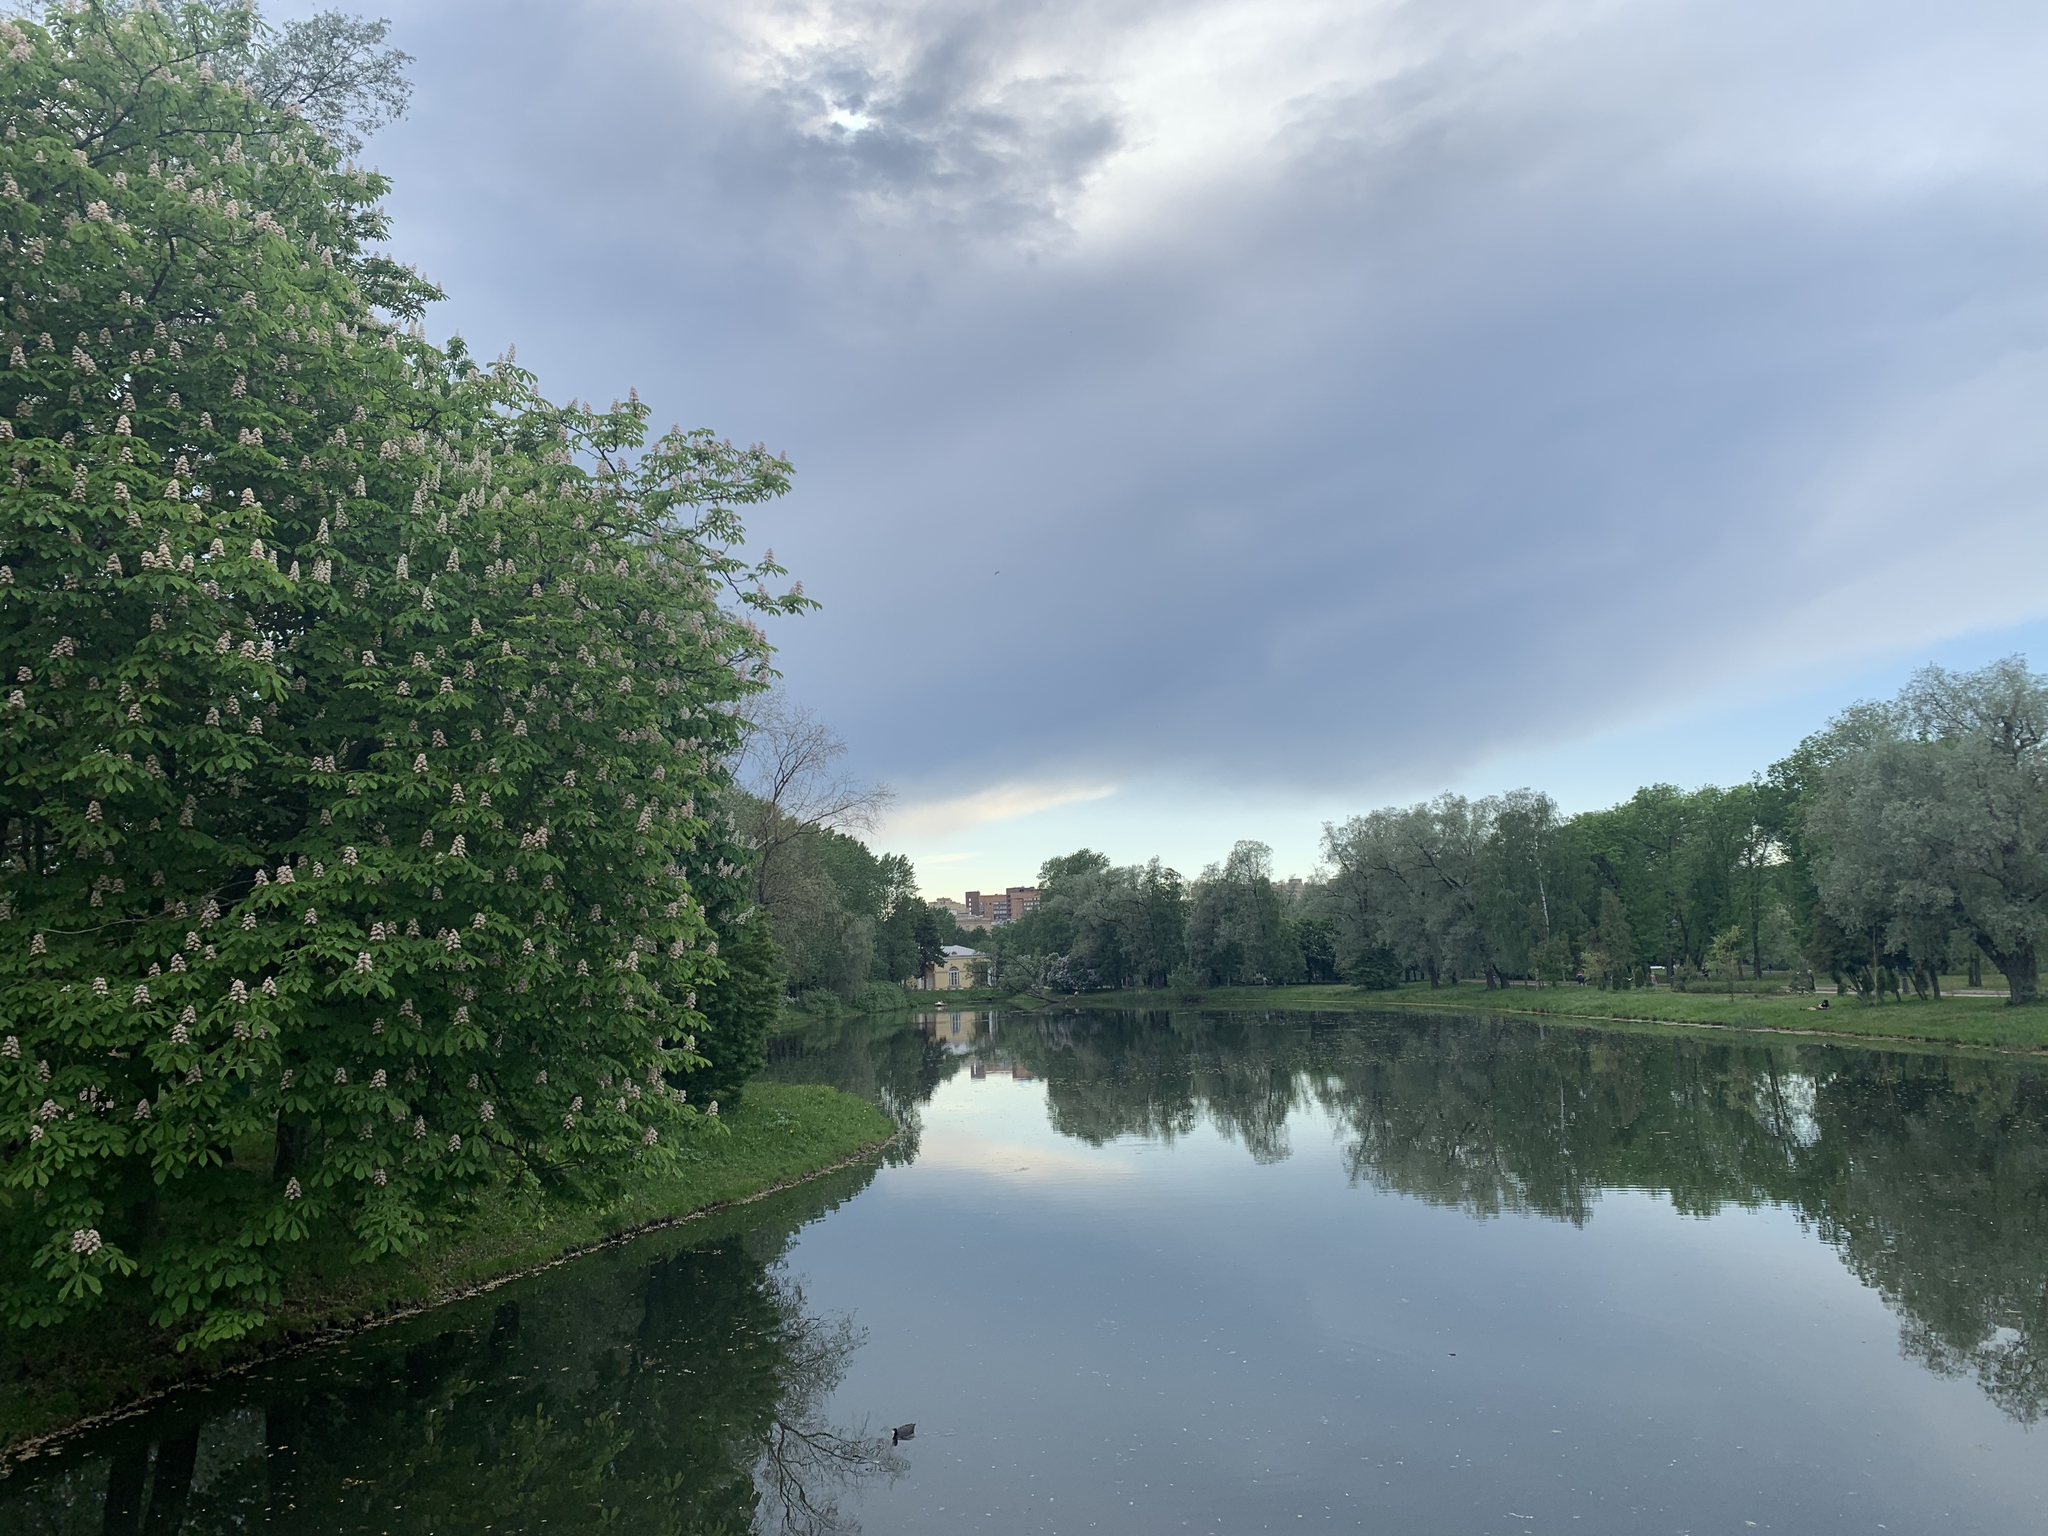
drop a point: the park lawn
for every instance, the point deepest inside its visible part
(781, 1133)
(881, 998)
(1953, 1020)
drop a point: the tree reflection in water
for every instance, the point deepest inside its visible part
(685, 1396)
(665, 1388)
(806, 1462)
(880, 1058)
(1927, 1171)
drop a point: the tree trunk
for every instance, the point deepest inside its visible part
(2021, 973)
(1976, 968)
(127, 1481)
(284, 1160)
(283, 1433)
(175, 1456)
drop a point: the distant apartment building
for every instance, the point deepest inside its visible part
(995, 910)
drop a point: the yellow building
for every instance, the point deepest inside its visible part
(954, 970)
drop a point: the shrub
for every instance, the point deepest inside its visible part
(1373, 968)
(738, 1011)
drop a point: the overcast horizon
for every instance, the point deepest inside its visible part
(1212, 419)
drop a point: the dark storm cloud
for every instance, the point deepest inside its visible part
(1343, 394)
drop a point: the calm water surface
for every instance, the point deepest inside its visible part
(1215, 1273)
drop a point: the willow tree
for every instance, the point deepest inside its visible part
(365, 718)
(1931, 817)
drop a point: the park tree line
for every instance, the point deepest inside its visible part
(1906, 841)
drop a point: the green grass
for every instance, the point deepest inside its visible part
(1953, 1020)
(885, 997)
(782, 1132)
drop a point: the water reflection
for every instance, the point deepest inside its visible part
(1926, 1171)
(685, 1383)
(892, 1064)
(661, 1392)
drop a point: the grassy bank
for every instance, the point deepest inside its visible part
(1953, 1020)
(818, 1004)
(885, 997)
(782, 1132)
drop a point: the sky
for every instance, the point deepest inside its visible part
(1215, 418)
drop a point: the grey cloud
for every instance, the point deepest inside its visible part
(1573, 363)
(947, 134)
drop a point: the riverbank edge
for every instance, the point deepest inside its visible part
(1343, 999)
(341, 1313)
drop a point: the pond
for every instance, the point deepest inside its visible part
(1208, 1272)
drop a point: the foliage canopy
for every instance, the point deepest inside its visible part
(366, 713)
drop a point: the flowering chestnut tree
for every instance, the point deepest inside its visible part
(366, 715)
